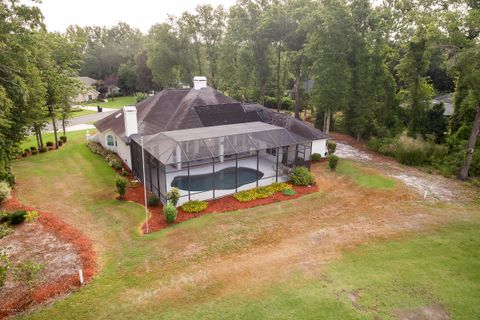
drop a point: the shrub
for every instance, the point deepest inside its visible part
(261, 192)
(17, 217)
(24, 154)
(27, 150)
(173, 196)
(43, 150)
(287, 103)
(153, 200)
(124, 173)
(34, 152)
(5, 191)
(116, 164)
(4, 265)
(270, 102)
(31, 216)
(331, 146)
(140, 96)
(316, 157)
(288, 192)
(5, 230)
(170, 212)
(121, 186)
(332, 162)
(33, 148)
(49, 144)
(60, 143)
(8, 177)
(300, 176)
(194, 206)
(63, 138)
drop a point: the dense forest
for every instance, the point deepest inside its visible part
(370, 71)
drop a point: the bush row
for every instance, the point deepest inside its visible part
(112, 159)
(194, 206)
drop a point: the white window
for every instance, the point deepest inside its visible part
(110, 140)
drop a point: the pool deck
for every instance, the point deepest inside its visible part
(264, 165)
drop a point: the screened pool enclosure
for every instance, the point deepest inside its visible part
(211, 162)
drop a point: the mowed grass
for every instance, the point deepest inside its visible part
(364, 178)
(173, 274)
(116, 103)
(81, 112)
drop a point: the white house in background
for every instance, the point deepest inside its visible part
(87, 92)
(207, 144)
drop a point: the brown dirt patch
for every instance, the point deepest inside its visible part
(433, 312)
(59, 247)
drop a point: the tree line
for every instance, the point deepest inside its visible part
(368, 70)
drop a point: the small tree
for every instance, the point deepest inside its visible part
(121, 185)
(331, 146)
(332, 162)
(173, 196)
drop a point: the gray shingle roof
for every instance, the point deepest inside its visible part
(175, 109)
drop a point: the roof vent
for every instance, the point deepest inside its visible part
(199, 82)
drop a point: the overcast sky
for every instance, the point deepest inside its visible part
(59, 14)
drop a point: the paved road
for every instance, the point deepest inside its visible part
(82, 122)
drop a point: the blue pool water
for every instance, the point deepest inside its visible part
(223, 179)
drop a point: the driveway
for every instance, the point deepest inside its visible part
(430, 186)
(82, 122)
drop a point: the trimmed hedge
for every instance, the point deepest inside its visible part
(316, 157)
(194, 206)
(332, 162)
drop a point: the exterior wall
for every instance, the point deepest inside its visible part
(119, 147)
(87, 96)
(320, 146)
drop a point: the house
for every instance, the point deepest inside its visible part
(113, 90)
(207, 144)
(87, 90)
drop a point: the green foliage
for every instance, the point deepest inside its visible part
(332, 162)
(121, 185)
(316, 157)
(170, 212)
(33, 148)
(153, 200)
(5, 230)
(194, 206)
(8, 177)
(173, 196)
(289, 192)
(261, 192)
(27, 272)
(4, 265)
(16, 217)
(49, 144)
(301, 176)
(31, 216)
(63, 138)
(5, 191)
(140, 96)
(116, 164)
(331, 147)
(42, 150)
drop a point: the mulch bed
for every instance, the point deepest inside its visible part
(157, 221)
(83, 246)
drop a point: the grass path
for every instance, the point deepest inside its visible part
(295, 259)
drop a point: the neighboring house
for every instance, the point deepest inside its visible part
(113, 90)
(447, 101)
(207, 144)
(87, 91)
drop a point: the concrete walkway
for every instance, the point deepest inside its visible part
(82, 122)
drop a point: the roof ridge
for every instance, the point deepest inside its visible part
(181, 108)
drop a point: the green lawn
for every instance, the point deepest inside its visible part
(248, 264)
(81, 112)
(117, 103)
(364, 178)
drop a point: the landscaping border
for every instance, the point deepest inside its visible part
(82, 244)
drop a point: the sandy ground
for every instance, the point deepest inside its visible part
(429, 186)
(32, 242)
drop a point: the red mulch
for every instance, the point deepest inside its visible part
(67, 233)
(228, 203)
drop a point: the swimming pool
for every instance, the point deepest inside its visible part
(223, 179)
